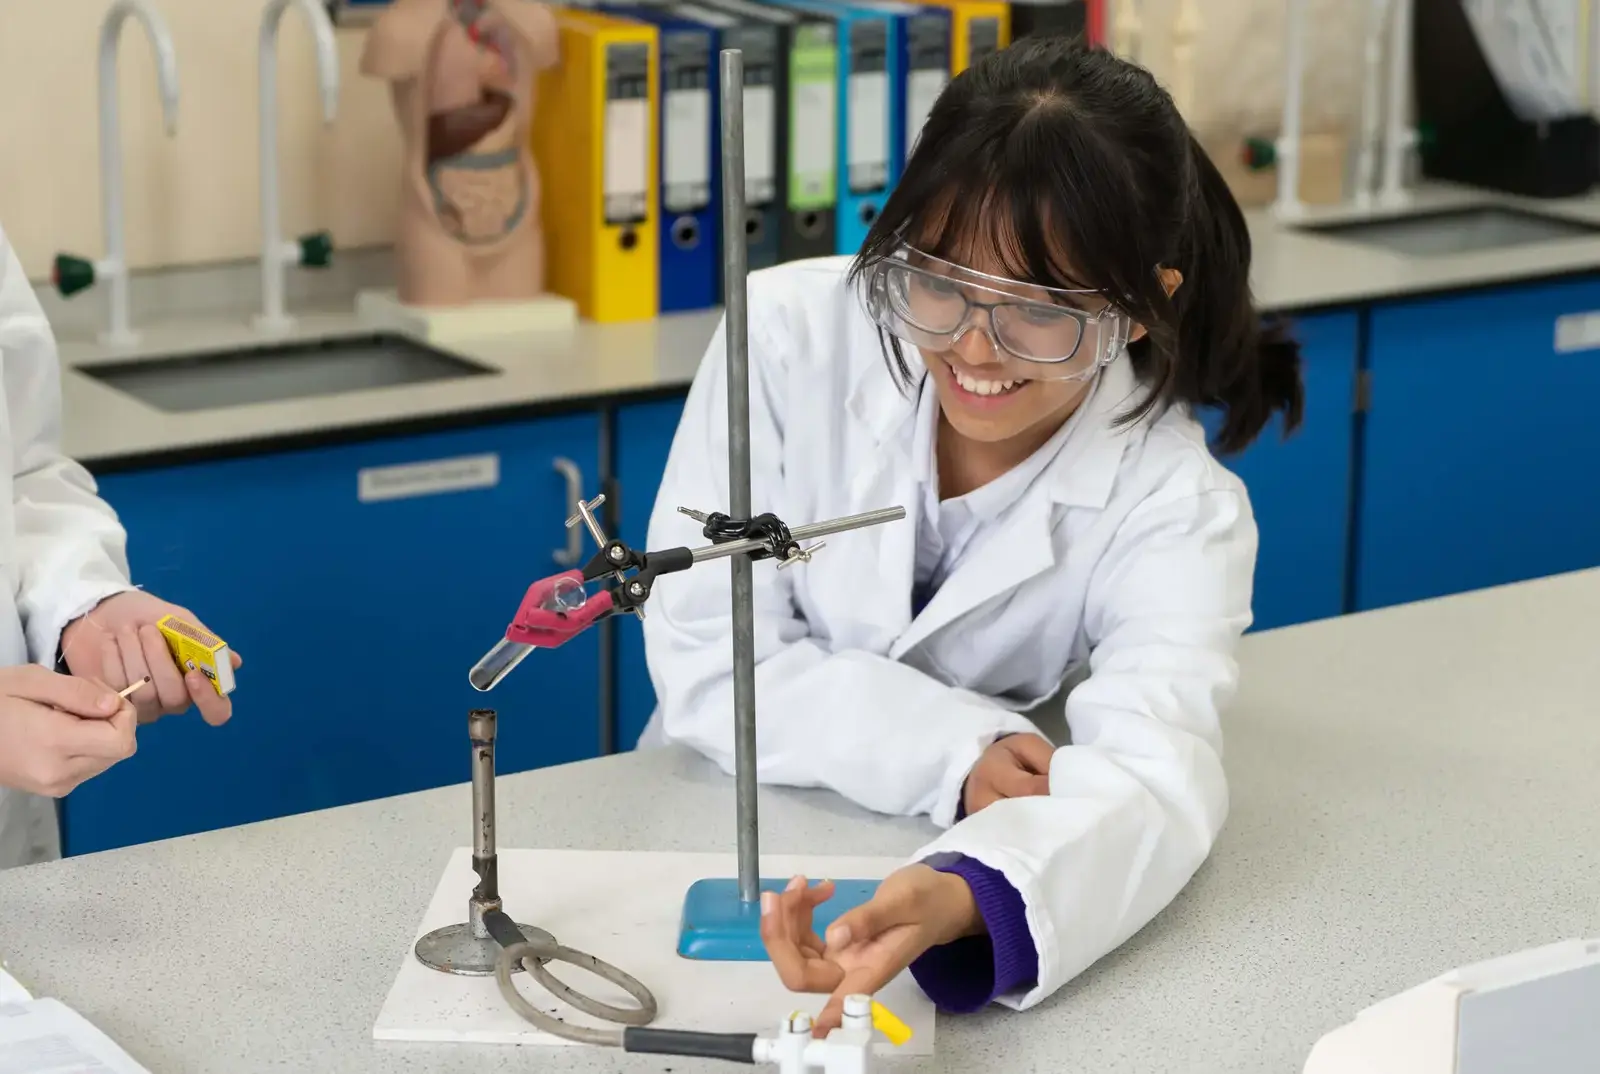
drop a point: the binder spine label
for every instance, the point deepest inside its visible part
(928, 61)
(813, 116)
(868, 101)
(983, 39)
(760, 47)
(626, 189)
(686, 121)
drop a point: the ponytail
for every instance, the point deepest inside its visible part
(1225, 356)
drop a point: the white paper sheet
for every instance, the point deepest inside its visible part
(869, 131)
(623, 908)
(11, 990)
(814, 143)
(627, 159)
(686, 150)
(45, 1036)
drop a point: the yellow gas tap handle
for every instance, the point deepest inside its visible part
(885, 1022)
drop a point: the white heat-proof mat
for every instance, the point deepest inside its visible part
(622, 908)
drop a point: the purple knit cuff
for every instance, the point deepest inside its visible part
(970, 973)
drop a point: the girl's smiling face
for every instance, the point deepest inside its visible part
(988, 389)
(987, 394)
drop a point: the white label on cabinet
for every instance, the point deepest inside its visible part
(379, 483)
(1577, 332)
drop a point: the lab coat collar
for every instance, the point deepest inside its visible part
(1081, 475)
(1021, 545)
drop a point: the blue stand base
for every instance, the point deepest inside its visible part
(718, 926)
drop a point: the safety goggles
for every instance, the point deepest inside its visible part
(1042, 333)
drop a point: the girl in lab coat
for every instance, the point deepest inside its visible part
(73, 629)
(1059, 279)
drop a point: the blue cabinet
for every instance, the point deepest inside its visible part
(359, 582)
(644, 433)
(1481, 448)
(1300, 488)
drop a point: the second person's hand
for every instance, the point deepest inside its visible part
(118, 643)
(56, 731)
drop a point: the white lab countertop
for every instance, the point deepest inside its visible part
(1412, 790)
(1294, 269)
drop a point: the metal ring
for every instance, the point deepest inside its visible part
(536, 965)
(533, 955)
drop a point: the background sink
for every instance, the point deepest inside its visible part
(298, 370)
(1456, 231)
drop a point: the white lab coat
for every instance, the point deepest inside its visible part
(62, 550)
(1130, 558)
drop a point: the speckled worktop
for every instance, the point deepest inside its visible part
(1413, 789)
(1295, 268)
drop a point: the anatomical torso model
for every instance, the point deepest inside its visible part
(463, 74)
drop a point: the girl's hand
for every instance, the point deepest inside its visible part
(1014, 766)
(915, 908)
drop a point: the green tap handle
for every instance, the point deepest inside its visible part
(316, 249)
(1260, 154)
(72, 274)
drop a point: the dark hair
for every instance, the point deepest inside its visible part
(1048, 151)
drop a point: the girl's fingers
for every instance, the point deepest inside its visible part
(819, 893)
(1033, 752)
(831, 1017)
(866, 922)
(798, 971)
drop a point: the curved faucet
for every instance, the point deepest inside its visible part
(1400, 138)
(73, 274)
(311, 250)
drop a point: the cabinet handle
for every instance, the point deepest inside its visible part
(570, 555)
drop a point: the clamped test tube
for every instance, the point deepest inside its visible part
(567, 595)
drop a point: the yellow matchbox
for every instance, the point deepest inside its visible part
(199, 650)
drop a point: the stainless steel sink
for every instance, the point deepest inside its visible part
(300, 370)
(1455, 231)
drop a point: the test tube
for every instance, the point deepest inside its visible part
(568, 595)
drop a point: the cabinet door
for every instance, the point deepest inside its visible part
(359, 583)
(1300, 487)
(644, 433)
(1481, 448)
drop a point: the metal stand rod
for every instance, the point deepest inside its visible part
(734, 270)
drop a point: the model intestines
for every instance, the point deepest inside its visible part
(463, 74)
(472, 83)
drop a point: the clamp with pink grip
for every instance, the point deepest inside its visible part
(544, 620)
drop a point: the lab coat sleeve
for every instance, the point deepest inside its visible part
(872, 729)
(70, 550)
(1138, 798)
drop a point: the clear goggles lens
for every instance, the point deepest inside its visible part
(1043, 333)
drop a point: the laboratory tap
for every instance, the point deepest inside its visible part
(1287, 205)
(1400, 138)
(74, 273)
(314, 250)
